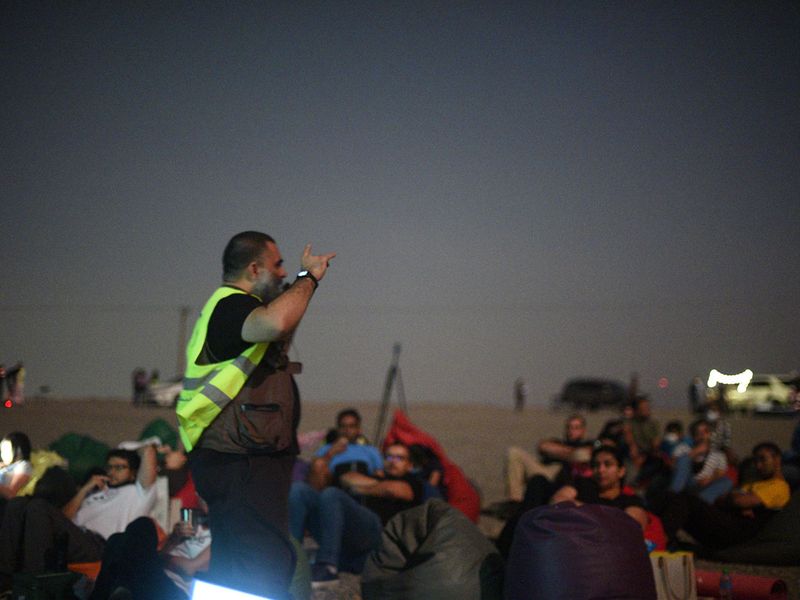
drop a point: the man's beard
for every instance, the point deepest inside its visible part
(120, 484)
(269, 289)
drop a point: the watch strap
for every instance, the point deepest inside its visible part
(307, 274)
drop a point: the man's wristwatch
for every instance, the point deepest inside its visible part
(305, 273)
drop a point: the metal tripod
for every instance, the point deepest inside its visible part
(392, 377)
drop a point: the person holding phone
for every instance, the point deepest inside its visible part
(108, 503)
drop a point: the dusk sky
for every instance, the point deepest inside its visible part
(537, 190)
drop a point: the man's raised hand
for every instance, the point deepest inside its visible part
(316, 265)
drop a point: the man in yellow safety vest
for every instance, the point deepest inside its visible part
(239, 410)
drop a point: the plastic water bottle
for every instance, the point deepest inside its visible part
(725, 586)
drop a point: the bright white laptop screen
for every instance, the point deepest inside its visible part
(203, 590)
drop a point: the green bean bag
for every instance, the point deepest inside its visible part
(82, 453)
(162, 430)
(433, 552)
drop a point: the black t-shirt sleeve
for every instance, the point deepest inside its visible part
(386, 507)
(589, 493)
(224, 338)
(623, 501)
(587, 489)
(626, 500)
(417, 486)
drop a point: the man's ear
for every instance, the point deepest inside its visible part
(251, 271)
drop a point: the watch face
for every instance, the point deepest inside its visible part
(303, 274)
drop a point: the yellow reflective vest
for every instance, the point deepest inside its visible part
(207, 389)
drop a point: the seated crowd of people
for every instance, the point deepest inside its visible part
(685, 491)
(351, 492)
(679, 488)
(342, 500)
(108, 518)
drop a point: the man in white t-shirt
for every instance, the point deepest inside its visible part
(36, 530)
(107, 503)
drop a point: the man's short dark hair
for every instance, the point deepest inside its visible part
(242, 249)
(770, 447)
(129, 455)
(421, 455)
(348, 412)
(614, 451)
(401, 445)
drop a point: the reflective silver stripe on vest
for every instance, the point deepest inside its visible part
(191, 384)
(244, 364)
(216, 395)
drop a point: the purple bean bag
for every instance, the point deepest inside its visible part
(578, 553)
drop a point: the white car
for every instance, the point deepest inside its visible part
(764, 393)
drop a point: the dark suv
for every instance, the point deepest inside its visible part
(592, 393)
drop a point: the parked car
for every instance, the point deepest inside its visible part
(592, 393)
(764, 393)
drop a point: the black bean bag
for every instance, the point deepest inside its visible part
(588, 552)
(778, 543)
(433, 552)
